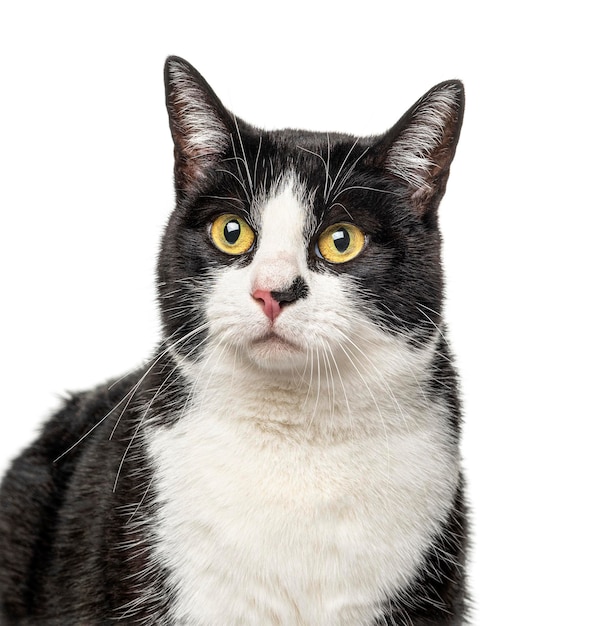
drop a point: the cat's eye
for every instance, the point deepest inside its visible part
(340, 243)
(231, 234)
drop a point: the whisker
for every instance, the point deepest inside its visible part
(237, 159)
(328, 181)
(302, 372)
(239, 181)
(131, 393)
(337, 178)
(325, 164)
(370, 363)
(363, 188)
(309, 357)
(343, 208)
(314, 410)
(363, 378)
(339, 375)
(140, 502)
(329, 378)
(255, 165)
(139, 423)
(439, 330)
(227, 198)
(249, 178)
(351, 168)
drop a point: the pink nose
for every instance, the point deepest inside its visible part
(271, 307)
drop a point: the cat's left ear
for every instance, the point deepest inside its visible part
(420, 147)
(199, 122)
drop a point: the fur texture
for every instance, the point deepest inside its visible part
(289, 455)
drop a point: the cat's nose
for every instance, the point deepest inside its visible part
(273, 301)
(271, 307)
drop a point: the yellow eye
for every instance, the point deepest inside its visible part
(231, 234)
(340, 243)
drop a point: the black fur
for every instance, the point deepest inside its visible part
(76, 505)
(64, 552)
(296, 291)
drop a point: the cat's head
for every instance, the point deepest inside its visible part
(290, 248)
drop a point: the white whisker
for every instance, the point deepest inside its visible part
(352, 359)
(347, 174)
(247, 170)
(241, 183)
(255, 165)
(344, 190)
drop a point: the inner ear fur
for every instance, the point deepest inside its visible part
(420, 147)
(199, 123)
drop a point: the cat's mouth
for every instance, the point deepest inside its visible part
(273, 348)
(271, 338)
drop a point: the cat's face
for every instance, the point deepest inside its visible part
(289, 249)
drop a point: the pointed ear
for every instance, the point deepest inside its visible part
(420, 147)
(199, 122)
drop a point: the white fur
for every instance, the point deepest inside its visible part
(309, 472)
(280, 256)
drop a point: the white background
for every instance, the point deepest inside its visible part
(86, 186)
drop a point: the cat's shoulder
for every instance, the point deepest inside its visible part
(66, 434)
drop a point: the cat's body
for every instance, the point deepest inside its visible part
(290, 454)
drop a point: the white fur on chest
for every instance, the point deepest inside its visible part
(262, 526)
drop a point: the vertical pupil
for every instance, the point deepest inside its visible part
(341, 240)
(232, 232)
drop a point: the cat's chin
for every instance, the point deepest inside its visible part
(272, 351)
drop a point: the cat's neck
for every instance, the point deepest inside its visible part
(326, 399)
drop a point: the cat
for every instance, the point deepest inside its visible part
(290, 454)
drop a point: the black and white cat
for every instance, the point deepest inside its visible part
(290, 455)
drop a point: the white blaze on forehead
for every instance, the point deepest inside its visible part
(281, 253)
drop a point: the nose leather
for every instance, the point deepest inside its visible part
(271, 307)
(273, 301)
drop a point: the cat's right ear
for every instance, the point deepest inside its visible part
(199, 122)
